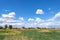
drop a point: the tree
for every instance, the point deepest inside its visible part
(10, 26)
(23, 27)
(6, 26)
(38, 27)
(1, 27)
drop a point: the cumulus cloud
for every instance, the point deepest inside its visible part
(4, 15)
(39, 11)
(31, 22)
(56, 17)
(9, 19)
(53, 22)
(2, 19)
(9, 15)
(21, 18)
(50, 23)
(30, 19)
(39, 20)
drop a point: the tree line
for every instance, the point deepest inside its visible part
(6, 27)
(10, 27)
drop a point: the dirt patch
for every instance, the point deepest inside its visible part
(12, 38)
(15, 38)
(10, 32)
(24, 38)
(43, 30)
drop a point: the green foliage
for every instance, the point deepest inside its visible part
(38, 28)
(10, 26)
(6, 26)
(2, 37)
(23, 27)
(1, 27)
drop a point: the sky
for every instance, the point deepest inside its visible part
(30, 13)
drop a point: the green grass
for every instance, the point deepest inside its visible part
(2, 37)
(35, 35)
(31, 35)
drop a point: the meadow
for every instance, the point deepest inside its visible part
(29, 34)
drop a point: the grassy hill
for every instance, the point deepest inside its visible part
(30, 34)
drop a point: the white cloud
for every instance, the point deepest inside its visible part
(53, 22)
(4, 15)
(31, 22)
(12, 14)
(9, 15)
(1, 19)
(30, 19)
(46, 25)
(39, 20)
(50, 23)
(39, 11)
(21, 18)
(34, 22)
(56, 17)
(9, 19)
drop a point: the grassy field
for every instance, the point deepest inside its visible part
(29, 34)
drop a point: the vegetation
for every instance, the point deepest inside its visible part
(30, 34)
(10, 26)
(23, 27)
(1, 27)
(38, 28)
(6, 26)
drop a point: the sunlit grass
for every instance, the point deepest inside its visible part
(29, 34)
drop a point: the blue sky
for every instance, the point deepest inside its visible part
(28, 9)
